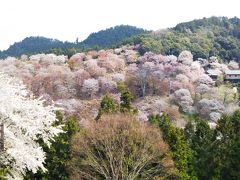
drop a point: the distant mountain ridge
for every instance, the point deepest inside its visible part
(102, 39)
(111, 36)
(206, 37)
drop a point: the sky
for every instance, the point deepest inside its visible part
(67, 20)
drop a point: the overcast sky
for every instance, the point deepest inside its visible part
(69, 19)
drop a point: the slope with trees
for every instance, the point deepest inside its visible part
(102, 39)
(112, 36)
(214, 36)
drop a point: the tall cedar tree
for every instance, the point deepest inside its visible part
(179, 147)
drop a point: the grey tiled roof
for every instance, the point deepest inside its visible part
(232, 72)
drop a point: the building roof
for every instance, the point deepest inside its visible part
(232, 72)
(214, 72)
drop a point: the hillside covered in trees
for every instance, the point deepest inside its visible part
(126, 112)
(110, 37)
(102, 39)
(215, 36)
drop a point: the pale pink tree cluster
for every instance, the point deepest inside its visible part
(112, 63)
(76, 61)
(92, 67)
(233, 65)
(151, 105)
(69, 106)
(182, 82)
(202, 89)
(130, 56)
(213, 59)
(47, 59)
(205, 79)
(92, 55)
(185, 57)
(118, 77)
(90, 87)
(210, 109)
(183, 98)
(106, 85)
(219, 66)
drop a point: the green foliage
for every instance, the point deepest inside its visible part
(126, 99)
(58, 154)
(33, 45)
(180, 150)
(102, 39)
(215, 36)
(216, 151)
(228, 146)
(108, 105)
(150, 44)
(112, 36)
(200, 139)
(3, 172)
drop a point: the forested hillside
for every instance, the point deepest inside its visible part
(126, 112)
(32, 45)
(102, 39)
(112, 36)
(215, 36)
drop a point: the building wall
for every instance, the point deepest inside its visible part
(232, 76)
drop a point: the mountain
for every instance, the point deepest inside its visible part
(214, 36)
(34, 45)
(102, 39)
(111, 36)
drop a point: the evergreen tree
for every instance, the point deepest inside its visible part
(126, 99)
(180, 150)
(108, 105)
(201, 140)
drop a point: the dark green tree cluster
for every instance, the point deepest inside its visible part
(108, 105)
(111, 36)
(179, 147)
(102, 39)
(33, 45)
(203, 153)
(59, 153)
(217, 150)
(126, 99)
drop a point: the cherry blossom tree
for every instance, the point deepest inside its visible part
(210, 109)
(107, 85)
(90, 87)
(205, 79)
(183, 98)
(233, 65)
(143, 75)
(91, 66)
(185, 57)
(202, 89)
(25, 121)
(118, 77)
(76, 60)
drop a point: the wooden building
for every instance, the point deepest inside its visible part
(232, 75)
